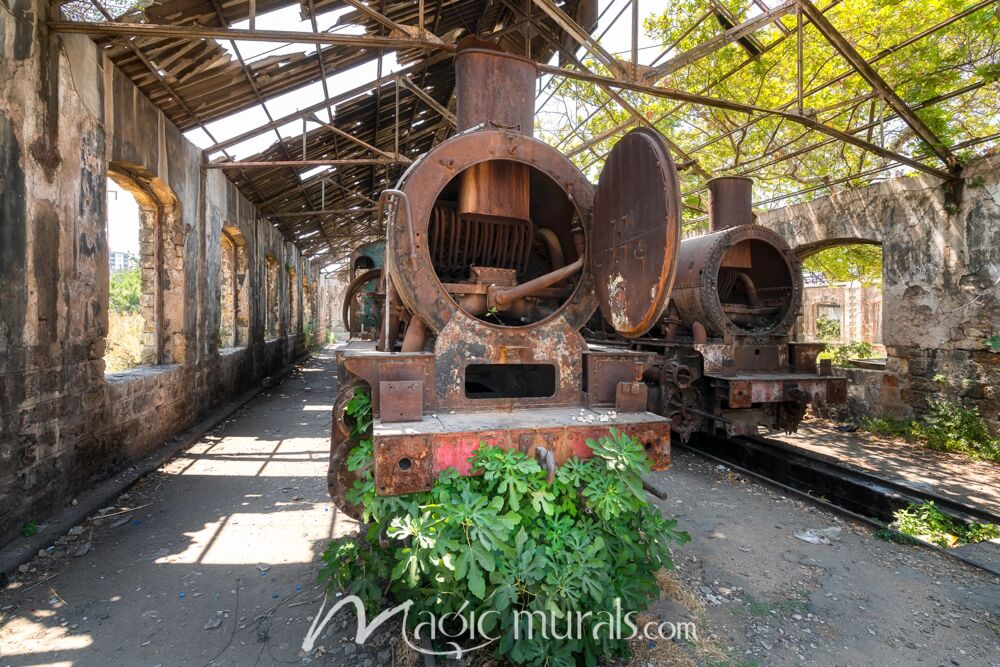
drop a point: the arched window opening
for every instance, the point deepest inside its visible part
(234, 321)
(131, 232)
(272, 301)
(842, 299)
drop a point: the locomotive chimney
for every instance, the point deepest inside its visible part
(494, 90)
(729, 202)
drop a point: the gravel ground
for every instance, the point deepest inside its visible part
(765, 597)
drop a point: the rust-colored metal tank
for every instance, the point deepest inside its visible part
(493, 250)
(740, 278)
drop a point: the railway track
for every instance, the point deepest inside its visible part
(862, 495)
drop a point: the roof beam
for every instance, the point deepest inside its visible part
(329, 211)
(427, 99)
(582, 37)
(713, 102)
(237, 164)
(323, 104)
(875, 80)
(718, 41)
(364, 144)
(281, 36)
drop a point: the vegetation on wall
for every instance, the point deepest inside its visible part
(509, 541)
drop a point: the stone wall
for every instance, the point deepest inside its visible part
(941, 280)
(67, 117)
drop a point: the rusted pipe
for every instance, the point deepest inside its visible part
(416, 333)
(551, 241)
(409, 217)
(504, 297)
(749, 288)
(698, 332)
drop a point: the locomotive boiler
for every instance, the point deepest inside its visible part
(498, 251)
(728, 363)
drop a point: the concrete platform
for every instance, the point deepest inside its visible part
(956, 476)
(212, 560)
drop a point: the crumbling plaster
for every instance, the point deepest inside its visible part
(66, 113)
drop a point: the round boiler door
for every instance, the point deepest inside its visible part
(635, 232)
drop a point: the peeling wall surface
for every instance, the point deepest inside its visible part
(66, 117)
(941, 280)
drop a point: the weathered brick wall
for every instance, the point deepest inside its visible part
(66, 114)
(941, 280)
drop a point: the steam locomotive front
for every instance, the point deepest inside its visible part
(494, 260)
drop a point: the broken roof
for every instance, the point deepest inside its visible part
(313, 107)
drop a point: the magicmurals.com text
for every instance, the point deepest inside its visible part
(471, 629)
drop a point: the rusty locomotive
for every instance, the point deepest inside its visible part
(726, 360)
(498, 252)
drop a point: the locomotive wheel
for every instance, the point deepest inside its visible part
(677, 406)
(339, 479)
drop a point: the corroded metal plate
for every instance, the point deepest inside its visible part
(635, 232)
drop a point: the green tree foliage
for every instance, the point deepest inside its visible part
(826, 328)
(962, 54)
(508, 541)
(847, 263)
(125, 290)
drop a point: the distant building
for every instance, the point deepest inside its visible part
(119, 261)
(857, 310)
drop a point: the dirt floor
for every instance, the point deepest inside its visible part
(213, 560)
(957, 476)
(765, 597)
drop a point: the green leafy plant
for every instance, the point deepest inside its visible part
(949, 426)
(29, 529)
(993, 342)
(509, 542)
(889, 427)
(124, 291)
(827, 328)
(925, 521)
(842, 354)
(945, 426)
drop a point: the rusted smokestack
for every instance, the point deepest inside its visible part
(493, 87)
(496, 90)
(730, 202)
